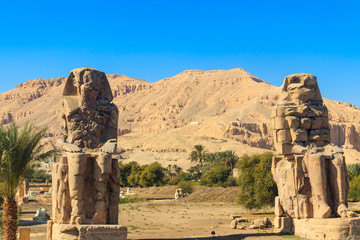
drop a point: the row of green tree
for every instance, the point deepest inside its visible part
(256, 184)
(213, 169)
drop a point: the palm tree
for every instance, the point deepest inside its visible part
(17, 150)
(229, 159)
(198, 154)
(353, 170)
(176, 169)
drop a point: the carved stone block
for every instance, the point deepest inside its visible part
(305, 123)
(298, 135)
(280, 123)
(283, 147)
(293, 122)
(283, 135)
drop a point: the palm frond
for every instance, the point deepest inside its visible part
(18, 148)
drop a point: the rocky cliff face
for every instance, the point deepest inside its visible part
(227, 108)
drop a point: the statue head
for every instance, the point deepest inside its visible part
(301, 87)
(85, 86)
(90, 117)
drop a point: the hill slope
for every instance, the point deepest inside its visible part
(221, 109)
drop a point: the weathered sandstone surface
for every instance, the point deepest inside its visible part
(221, 109)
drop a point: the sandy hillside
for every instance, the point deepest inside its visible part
(162, 121)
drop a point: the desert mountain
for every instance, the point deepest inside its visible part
(162, 121)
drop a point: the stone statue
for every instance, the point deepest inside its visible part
(309, 171)
(86, 178)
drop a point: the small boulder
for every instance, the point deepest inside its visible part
(257, 223)
(240, 227)
(252, 226)
(233, 224)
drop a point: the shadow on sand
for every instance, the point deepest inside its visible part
(26, 223)
(228, 237)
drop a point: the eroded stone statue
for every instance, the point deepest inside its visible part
(309, 171)
(86, 178)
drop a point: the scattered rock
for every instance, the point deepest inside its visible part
(241, 227)
(41, 215)
(260, 223)
(233, 224)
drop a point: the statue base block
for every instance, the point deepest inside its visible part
(86, 232)
(328, 228)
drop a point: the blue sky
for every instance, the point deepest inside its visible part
(157, 39)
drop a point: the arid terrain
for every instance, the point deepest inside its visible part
(162, 121)
(162, 217)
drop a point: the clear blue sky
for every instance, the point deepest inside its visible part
(157, 39)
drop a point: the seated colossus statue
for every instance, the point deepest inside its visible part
(309, 171)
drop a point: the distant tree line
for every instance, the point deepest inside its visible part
(255, 181)
(213, 169)
(256, 185)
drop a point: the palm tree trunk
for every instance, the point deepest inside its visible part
(10, 219)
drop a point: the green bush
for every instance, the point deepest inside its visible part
(216, 176)
(186, 187)
(257, 187)
(230, 182)
(153, 175)
(134, 178)
(354, 189)
(131, 200)
(195, 172)
(125, 171)
(40, 176)
(180, 178)
(353, 170)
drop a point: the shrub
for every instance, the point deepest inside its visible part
(230, 182)
(153, 175)
(257, 187)
(216, 176)
(195, 172)
(180, 178)
(131, 200)
(134, 178)
(40, 176)
(125, 171)
(186, 187)
(354, 189)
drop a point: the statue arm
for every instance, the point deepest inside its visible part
(68, 147)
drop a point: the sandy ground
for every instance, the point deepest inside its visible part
(174, 219)
(169, 219)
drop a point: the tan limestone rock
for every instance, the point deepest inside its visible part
(310, 172)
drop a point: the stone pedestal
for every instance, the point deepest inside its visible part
(283, 225)
(329, 228)
(86, 232)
